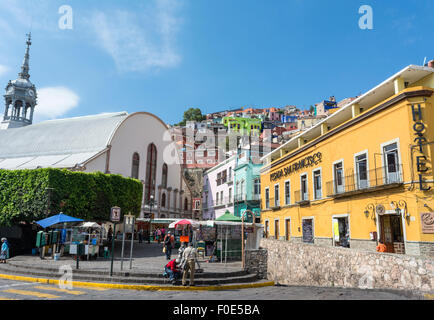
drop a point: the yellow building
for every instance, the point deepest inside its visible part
(362, 174)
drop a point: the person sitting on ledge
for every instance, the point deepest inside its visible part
(381, 246)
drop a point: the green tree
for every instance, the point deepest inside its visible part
(311, 108)
(192, 114)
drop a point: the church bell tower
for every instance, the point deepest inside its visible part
(20, 97)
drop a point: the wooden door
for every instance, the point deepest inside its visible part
(386, 233)
(276, 229)
(287, 230)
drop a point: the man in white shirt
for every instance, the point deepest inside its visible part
(188, 259)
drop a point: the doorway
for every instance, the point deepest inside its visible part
(287, 229)
(391, 233)
(341, 232)
(276, 229)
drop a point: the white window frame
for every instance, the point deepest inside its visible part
(313, 183)
(265, 197)
(284, 191)
(383, 164)
(278, 194)
(367, 165)
(345, 215)
(304, 174)
(313, 227)
(334, 176)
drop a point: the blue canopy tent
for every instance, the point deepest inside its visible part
(58, 218)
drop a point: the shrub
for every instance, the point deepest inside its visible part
(28, 195)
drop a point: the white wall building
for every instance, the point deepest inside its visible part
(218, 193)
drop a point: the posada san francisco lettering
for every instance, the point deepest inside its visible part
(303, 163)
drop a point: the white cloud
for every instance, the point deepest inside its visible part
(140, 40)
(54, 102)
(3, 70)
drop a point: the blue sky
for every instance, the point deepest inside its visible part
(164, 56)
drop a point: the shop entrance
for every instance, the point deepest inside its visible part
(391, 233)
(341, 232)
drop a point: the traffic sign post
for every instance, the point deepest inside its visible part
(115, 216)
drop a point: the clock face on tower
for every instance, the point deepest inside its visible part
(31, 93)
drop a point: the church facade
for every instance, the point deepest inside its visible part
(137, 145)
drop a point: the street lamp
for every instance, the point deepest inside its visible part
(151, 203)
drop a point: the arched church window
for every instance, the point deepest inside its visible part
(185, 204)
(164, 176)
(151, 169)
(135, 166)
(163, 200)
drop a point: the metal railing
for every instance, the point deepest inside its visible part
(265, 205)
(222, 202)
(374, 178)
(300, 196)
(240, 197)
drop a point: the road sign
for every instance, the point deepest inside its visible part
(129, 222)
(115, 215)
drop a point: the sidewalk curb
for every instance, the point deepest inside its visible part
(139, 287)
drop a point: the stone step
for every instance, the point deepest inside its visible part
(224, 274)
(132, 280)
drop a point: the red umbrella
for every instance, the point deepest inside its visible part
(182, 222)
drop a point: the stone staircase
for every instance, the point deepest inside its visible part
(141, 278)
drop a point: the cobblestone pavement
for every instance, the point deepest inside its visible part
(11, 290)
(146, 257)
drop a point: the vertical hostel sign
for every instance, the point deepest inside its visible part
(420, 140)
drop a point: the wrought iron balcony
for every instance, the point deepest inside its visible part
(301, 197)
(375, 179)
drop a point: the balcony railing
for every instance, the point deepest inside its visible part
(240, 197)
(256, 197)
(274, 203)
(300, 196)
(265, 205)
(222, 202)
(373, 179)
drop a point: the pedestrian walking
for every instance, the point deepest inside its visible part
(188, 264)
(140, 235)
(168, 245)
(158, 235)
(163, 233)
(110, 234)
(4, 254)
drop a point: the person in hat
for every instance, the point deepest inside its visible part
(172, 271)
(168, 245)
(4, 250)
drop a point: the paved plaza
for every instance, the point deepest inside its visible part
(147, 257)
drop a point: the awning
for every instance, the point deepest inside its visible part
(90, 225)
(58, 218)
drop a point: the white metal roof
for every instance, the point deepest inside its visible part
(57, 143)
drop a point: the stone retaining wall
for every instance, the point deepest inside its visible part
(292, 263)
(256, 262)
